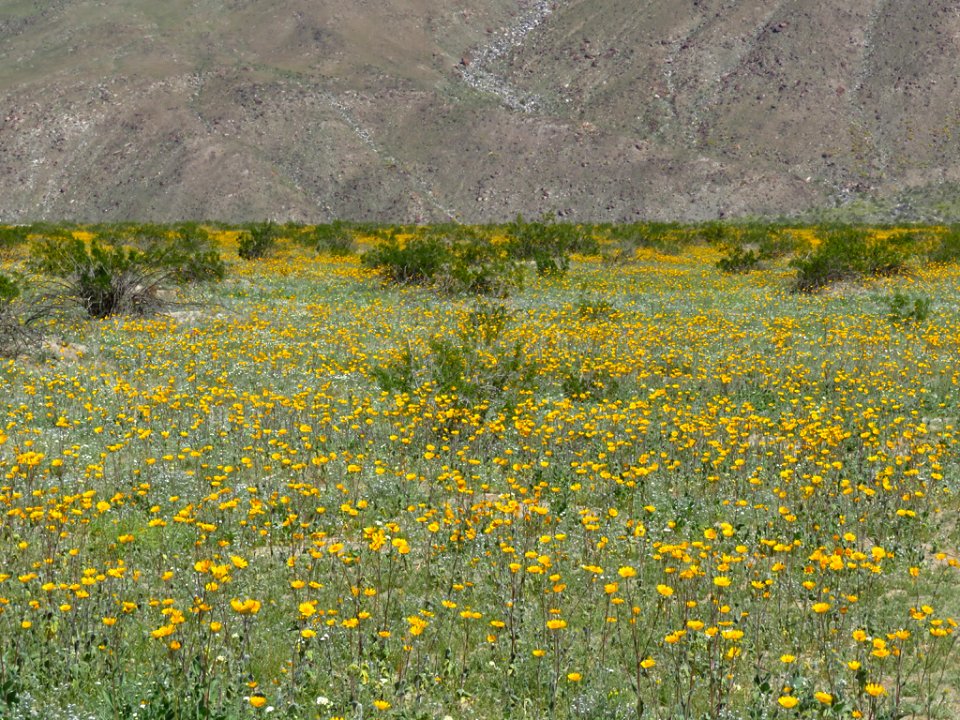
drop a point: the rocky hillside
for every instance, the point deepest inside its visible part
(426, 110)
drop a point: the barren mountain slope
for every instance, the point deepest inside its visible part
(430, 109)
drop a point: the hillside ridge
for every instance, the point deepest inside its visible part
(408, 110)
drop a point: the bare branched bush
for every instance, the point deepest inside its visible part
(104, 279)
(19, 319)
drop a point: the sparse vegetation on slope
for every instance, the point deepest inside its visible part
(403, 110)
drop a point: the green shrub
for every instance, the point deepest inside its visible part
(548, 263)
(594, 308)
(747, 245)
(947, 247)
(195, 255)
(741, 245)
(9, 290)
(478, 366)
(103, 279)
(398, 376)
(588, 384)
(714, 233)
(902, 307)
(18, 318)
(334, 239)
(490, 378)
(200, 266)
(627, 238)
(850, 253)
(774, 242)
(12, 236)
(890, 256)
(186, 249)
(484, 324)
(738, 260)
(257, 241)
(415, 262)
(454, 259)
(548, 244)
(478, 266)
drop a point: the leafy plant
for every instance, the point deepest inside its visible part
(454, 259)
(186, 248)
(103, 279)
(714, 233)
(594, 308)
(947, 248)
(9, 290)
(484, 324)
(548, 244)
(478, 366)
(479, 267)
(780, 242)
(13, 235)
(415, 262)
(489, 377)
(18, 318)
(902, 307)
(738, 260)
(626, 239)
(397, 376)
(849, 253)
(257, 241)
(333, 239)
(750, 244)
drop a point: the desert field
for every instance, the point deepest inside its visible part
(525, 471)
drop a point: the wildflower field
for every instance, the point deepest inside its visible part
(635, 486)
